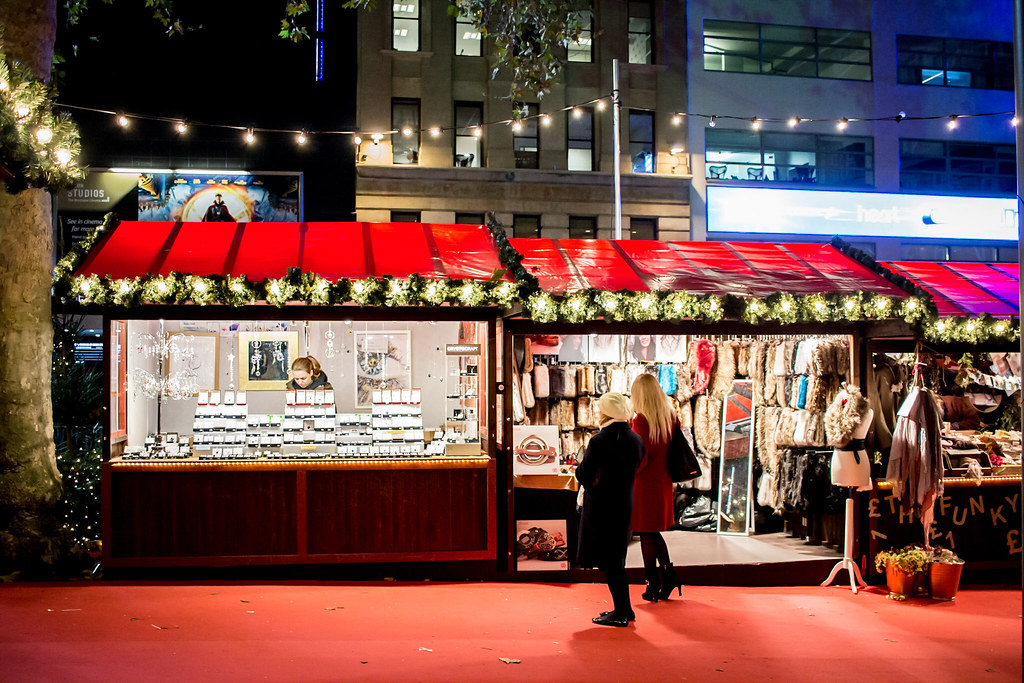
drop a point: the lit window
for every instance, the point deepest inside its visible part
(405, 20)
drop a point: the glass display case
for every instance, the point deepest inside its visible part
(462, 399)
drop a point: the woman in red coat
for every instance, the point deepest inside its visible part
(653, 506)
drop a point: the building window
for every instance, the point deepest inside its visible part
(405, 144)
(868, 248)
(640, 32)
(469, 219)
(954, 62)
(975, 253)
(468, 117)
(641, 140)
(582, 49)
(525, 226)
(643, 228)
(405, 216)
(835, 160)
(405, 23)
(924, 252)
(582, 227)
(787, 50)
(1008, 255)
(467, 38)
(580, 140)
(965, 167)
(526, 140)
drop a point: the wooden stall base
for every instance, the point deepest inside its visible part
(191, 513)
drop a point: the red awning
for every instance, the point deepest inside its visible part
(740, 268)
(360, 250)
(966, 288)
(268, 250)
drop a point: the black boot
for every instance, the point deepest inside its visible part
(669, 582)
(653, 585)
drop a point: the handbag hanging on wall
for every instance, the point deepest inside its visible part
(682, 462)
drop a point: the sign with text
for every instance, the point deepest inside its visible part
(859, 214)
(978, 523)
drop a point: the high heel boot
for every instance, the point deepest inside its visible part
(653, 586)
(669, 582)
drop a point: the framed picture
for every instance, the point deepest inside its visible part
(605, 348)
(204, 362)
(382, 362)
(265, 359)
(671, 348)
(535, 449)
(541, 544)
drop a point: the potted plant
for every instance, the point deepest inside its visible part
(903, 568)
(944, 573)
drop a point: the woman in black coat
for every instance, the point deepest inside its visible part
(606, 474)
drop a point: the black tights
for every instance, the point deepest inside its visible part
(618, 586)
(654, 551)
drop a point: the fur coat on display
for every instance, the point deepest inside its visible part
(684, 382)
(743, 359)
(541, 385)
(707, 426)
(755, 368)
(844, 415)
(684, 413)
(701, 362)
(724, 371)
(528, 398)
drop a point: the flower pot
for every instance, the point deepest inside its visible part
(900, 582)
(945, 580)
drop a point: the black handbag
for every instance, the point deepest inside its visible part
(682, 463)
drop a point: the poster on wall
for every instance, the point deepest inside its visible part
(266, 359)
(242, 198)
(605, 348)
(541, 544)
(535, 449)
(382, 362)
(671, 348)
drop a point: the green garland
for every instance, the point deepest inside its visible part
(38, 147)
(575, 307)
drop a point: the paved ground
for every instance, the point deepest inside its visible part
(312, 631)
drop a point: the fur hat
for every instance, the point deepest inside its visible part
(724, 372)
(615, 407)
(844, 415)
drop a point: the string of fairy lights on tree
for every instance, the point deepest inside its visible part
(524, 290)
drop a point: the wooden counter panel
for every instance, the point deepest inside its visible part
(193, 514)
(434, 510)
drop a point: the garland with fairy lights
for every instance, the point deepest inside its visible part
(38, 148)
(576, 307)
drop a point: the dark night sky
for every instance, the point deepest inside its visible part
(235, 70)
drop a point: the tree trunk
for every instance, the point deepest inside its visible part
(29, 481)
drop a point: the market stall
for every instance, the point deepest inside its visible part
(751, 341)
(969, 360)
(296, 393)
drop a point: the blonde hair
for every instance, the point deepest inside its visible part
(308, 364)
(651, 402)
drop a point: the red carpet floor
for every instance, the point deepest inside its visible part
(461, 631)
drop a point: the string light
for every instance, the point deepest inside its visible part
(516, 126)
(577, 112)
(64, 157)
(843, 122)
(1014, 121)
(301, 138)
(407, 131)
(755, 123)
(435, 132)
(477, 131)
(951, 124)
(793, 122)
(122, 120)
(545, 120)
(44, 135)
(600, 105)
(676, 120)
(357, 140)
(712, 123)
(181, 127)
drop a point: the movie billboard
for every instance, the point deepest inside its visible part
(224, 197)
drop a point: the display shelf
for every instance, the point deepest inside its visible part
(462, 399)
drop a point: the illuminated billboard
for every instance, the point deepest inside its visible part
(770, 211)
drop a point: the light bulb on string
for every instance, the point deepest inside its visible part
(63, 157)
(951, 124)
(1014, 121)
(407, 131)
(516, 126)
(843, 122)
(794, 121)
(44, 135)
(712, 123)
(477, 131)
(435, 131)
(676, 119)
(356, 140)
(755, 123)
(545, 120)
(21, 111)
(600, 105)
(576, 112)
(301, 137)
(181, 127)
(122, 120)
(250, 136)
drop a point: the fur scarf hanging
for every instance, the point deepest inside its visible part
(743, 359)
(585, 380)
(684, 412)
(684, 382)
(701, 362)
(844, 415)
(617, 379)
(528, 401)
(601, 380)
(707, 426)
(586, 414)
(541, 385)
(539, 414)
(556, 381)
(563, 413)
(724, 371)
